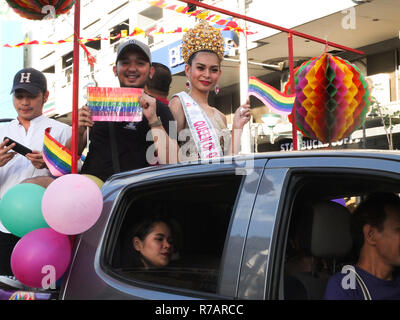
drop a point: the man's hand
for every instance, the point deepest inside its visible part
(149, 107)
(36, 158)
(85, 119)
(5, 154)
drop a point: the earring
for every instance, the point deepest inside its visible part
(188, 85)
(216, 89)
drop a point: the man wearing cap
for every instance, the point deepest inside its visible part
(122, 146)
(29, 95)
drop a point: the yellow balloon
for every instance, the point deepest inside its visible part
(95, 179)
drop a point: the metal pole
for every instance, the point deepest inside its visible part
(272, 66)
(244, 80)
(292, 90)
(75, 86)
(273, 26)
(396, 64)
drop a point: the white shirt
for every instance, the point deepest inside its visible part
(20, 168)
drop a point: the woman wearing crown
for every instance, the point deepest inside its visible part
(202, 129)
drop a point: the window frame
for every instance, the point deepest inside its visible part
(275, 277)
(118, 214)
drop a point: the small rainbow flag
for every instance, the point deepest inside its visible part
(114, 104)
(277, 101)
(56, 156)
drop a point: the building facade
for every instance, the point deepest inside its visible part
(11, 59)
(370, 26)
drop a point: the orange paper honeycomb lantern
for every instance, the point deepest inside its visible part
(332, 98)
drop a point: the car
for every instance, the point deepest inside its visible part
(264, 226)
(5, 120)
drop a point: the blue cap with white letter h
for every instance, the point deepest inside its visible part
(31, 80)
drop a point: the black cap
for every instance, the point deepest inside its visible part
(31, 80)
(134, 44)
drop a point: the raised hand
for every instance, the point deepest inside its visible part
(85, 119)
(242, 116)
(149, 107)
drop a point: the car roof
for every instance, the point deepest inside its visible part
(353, 153)
(6, 119)
(364, 153)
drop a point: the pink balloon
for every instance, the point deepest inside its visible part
(72, 204)
(40, 255)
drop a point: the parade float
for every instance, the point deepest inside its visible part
(327, 98)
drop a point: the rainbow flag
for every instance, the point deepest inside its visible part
(114, 104)
(56, 156)
(277, 101)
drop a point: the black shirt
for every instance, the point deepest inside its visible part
(131, 144)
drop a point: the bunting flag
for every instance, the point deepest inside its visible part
(123, 34)
(226, 22)
(56, 156)
(91, 60)
(275, 100)
(114, 104)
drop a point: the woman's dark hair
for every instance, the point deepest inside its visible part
(190, 61)
(371, 211)
(142, 229)
(146, 225)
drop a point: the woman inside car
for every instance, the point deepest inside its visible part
(153, 242)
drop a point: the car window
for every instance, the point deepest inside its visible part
(319, 241)
(198, 211)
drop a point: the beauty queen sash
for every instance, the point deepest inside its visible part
(201, 128)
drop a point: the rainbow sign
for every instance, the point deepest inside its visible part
(56, 156)
(275, 100)
(114, 104)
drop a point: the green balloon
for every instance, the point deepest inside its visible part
(21, 209)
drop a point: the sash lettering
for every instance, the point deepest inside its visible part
(201, 128)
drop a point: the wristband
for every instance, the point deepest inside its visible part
(156, 123)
